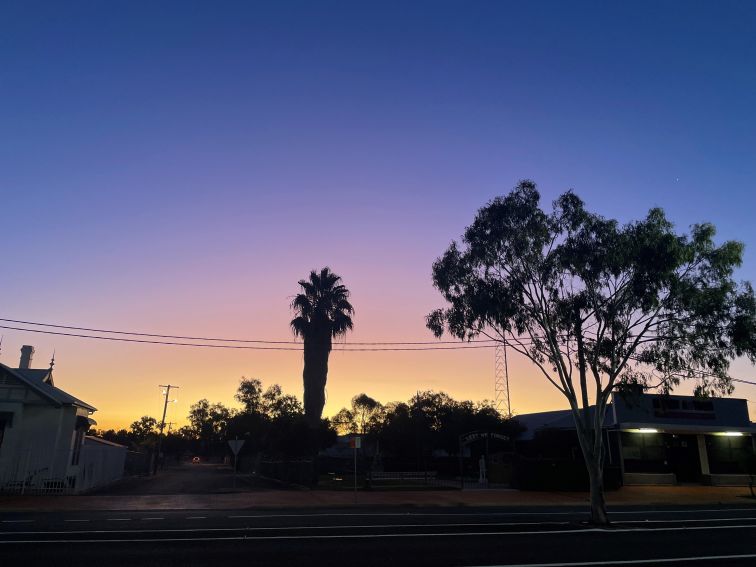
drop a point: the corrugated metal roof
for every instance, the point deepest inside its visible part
(34, 378)
(93, 439)
(558, 419)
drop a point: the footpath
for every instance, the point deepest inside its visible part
(282, 499)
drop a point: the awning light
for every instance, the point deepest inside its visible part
(647, 430)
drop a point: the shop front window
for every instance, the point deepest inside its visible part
(729, 455)
(643, 452)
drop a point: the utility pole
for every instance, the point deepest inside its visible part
(166, 393)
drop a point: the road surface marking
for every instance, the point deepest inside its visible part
(17, 521)
(683, 520)
(631, 562)
(280, 528)
(386, 526)
(372, 536)
(196, 517)
(686, 511)
(748, 509)
(118, 519)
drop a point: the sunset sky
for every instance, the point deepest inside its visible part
(176, 167)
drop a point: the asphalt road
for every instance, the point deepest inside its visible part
(385, 537)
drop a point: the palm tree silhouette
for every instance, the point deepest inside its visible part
(322, 312)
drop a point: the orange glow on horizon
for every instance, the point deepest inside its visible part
(121, 380)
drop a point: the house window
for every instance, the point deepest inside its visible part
(6, 422)
(78, 440)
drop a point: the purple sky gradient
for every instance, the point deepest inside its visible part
(178, 166)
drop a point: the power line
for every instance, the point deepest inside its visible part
(345, 348)
(222, 340)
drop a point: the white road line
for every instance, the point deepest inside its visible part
(196, 517)
(743, 509)
(17, 521)
(683, 520)
(631, 562)
(402, 515)
(280, 528)
(376, 536)
(748, 509)
(118, 519)
(146, 519)
(388, 526)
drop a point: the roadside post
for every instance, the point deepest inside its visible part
(355, 443)
(236, 445)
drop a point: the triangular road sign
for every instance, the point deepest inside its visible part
(235, 445)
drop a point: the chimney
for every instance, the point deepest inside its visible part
(27, 352)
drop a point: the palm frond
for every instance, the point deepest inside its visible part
(300, 326)
(323, 307)
(344, 306)
(302, 305)
(341, 324)
(309, 288)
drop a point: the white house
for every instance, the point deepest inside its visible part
(42, 435)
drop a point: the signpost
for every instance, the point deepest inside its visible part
(236, 445)
(355, 443)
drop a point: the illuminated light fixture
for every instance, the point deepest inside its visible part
(647, 430)
(733, 434)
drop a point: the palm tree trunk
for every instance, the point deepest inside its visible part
(314, 376)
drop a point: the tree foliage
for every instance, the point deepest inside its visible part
(361, 418)
(143, 428)
(272, 423)
(410, 432)
(596, 305)
(209, 422)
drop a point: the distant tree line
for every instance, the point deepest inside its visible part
(273, 425)
(429, 423)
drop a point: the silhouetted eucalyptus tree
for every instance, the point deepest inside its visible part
(595, 305)
(361, 418)
(322, 312)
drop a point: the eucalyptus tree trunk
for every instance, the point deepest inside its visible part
(591, 444)
(598, 503)
(589, 429)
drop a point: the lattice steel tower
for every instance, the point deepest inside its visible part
(501, 380)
